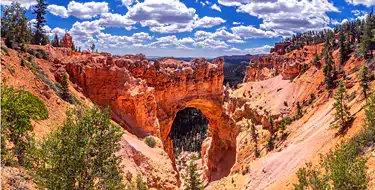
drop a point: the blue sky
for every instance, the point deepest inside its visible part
(192, 28)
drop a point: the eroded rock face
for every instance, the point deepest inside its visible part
(267, 66)
(145, 96)
(66, 41)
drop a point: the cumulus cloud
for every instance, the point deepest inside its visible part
(253, 51)
(87, 10)
(58, 11)
(163, 12)
(212, 44)
(115, 20)
(216, 7)
(24, 3)
(237, 23)
(292, 15)
(218, 35)
(233, 2)
(208, 22)
(236, 41)
(252, 32)
(82, 31)
(367, 3)
(169, 16)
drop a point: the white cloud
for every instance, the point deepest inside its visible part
(233, 2)
(236, 41)
(368, 3)
(162, 12)
(24, 3)
(87, 10)
(258, 50)
(58, 11)
(208, 22)
(115, 20)
(253, 51)
(212, 44)
(252, 32)
(59, 31)
(218, 35)
(291, 15)
(129, 3)
(237, 23)
(216, 7)
(82, 31)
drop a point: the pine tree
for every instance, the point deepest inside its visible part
(192, 179)
(80, 154)
(65, 88)
(73, 47)
(14, 24)
(370, 115)
(328, 68)
(342, 113)
(55, 42)
(92, 47)
(40, 11)
(364, 80)
(366, 38)
(343, 50)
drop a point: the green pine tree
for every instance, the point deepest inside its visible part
(364, 80)
(343, 51)
(366, 38)
(192, 179)
(14, 24)
(40, 11)
(56, 42)
(342, 113)
(80, 154)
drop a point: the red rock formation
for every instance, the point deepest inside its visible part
(66, 41)
(268, 66)
(145, 97)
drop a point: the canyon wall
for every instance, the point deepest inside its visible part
(145, 96)
(267, 66)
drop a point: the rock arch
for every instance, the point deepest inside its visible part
(145, 96)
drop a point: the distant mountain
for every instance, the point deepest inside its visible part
(236, 59)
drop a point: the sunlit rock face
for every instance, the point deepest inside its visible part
(145, 96)
(267, 66)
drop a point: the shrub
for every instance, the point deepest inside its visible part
(80, 154)
(23, 63)
(140, 184)
(5, 49)
(343, 168)
(150, 141)
(42, 54)
(270, 143)
(18, 107)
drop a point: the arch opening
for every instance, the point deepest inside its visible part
(188, 131)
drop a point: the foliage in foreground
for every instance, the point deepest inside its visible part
(192, 179)
(345, 167)
(18, 107)
(79, 154)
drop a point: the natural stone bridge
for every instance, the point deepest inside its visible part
(145, 96)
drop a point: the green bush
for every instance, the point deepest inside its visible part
(5, 49)
(150, 141)
(42, 54)
(344, 167)
(18, 107)
(80, 154)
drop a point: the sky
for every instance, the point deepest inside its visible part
(191, 28)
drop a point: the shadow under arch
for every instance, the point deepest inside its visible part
(219, 157)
